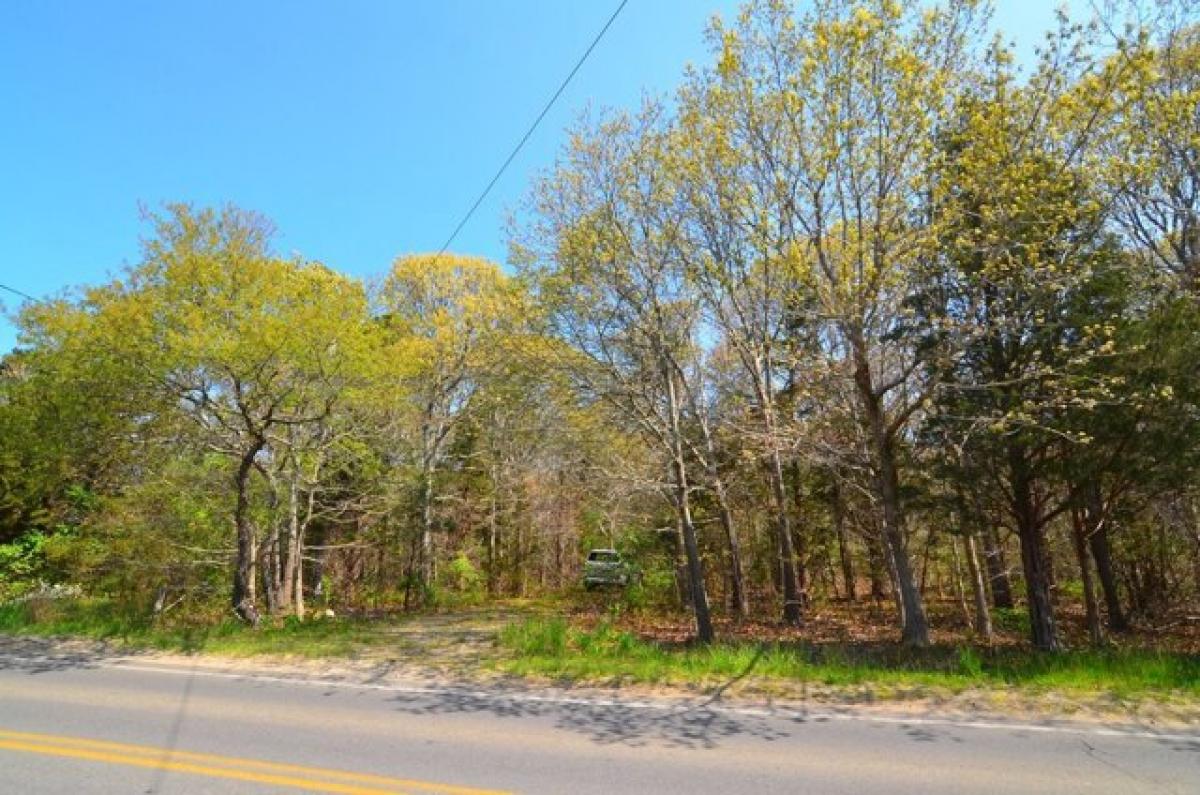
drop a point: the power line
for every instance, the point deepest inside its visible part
(15, 291)
(562, 87)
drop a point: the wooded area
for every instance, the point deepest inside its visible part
(869, 311)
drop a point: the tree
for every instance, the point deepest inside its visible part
(742, 282)
(244, 344)
(605, 259)
(833, 116)
(1151, 147)
(443, 318)
(1028, 294)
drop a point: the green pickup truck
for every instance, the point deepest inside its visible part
(606, 567)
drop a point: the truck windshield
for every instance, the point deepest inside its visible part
(604, 557)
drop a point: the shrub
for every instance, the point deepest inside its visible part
(540, 638)
(1011, 619)
(969, 662)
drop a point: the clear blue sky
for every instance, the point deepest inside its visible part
(364, 129)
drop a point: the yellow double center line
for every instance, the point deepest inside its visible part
(313, 779)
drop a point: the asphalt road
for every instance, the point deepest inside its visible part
(76, 724)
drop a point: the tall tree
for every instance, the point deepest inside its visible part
(831, 118)
(1151, 147)
(1025, 299)
(606, 257)
(443, 318)
(245, 344)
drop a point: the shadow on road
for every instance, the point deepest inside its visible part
(692, 725)
(1182, 745)
(704, 723)
(44, 655)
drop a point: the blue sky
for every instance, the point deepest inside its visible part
(363, 129)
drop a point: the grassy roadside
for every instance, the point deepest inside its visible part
(99, 620)
(555, 649)
(530, 641)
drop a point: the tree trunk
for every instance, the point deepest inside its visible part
(297, 554)
(915, 626)
(425, 566)
(682, 586)
(291, 560)
(894, 583)
(1043, 630)
(997, 570)
(960, 593)
(272, 565)
(839, 529)
(801, 547)
(318, 575)
(695, 578)
(1091, 606)
(1097, 530)
(983, 616)
(737, 577)
(493, 574)
(243, 570)
(160, 601)
(520, 579)
(271, 552)
(704, 628)
(299, 608)
(792, 595)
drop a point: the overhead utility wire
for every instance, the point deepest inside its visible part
(15, 291)
(562, 87)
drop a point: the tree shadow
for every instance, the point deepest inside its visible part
(691, 724)
(1183, 746)
(38, 655)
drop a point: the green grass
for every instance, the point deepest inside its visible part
(550, 647)
(553, 648)
(100, 619)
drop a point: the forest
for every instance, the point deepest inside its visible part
(870, 312)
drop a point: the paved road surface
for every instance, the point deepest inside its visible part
(80, 725)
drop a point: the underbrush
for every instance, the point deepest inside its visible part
(554, 648)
